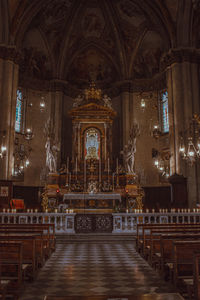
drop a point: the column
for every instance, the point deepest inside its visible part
(8, 91)
(183, 88)
(125, 116)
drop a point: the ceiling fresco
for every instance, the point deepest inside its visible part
(108, 40)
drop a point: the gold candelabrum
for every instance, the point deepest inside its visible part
(45, 201)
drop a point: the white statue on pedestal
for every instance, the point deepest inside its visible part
(51, 156)
(107, 101)
(130, 149)
(77, 101)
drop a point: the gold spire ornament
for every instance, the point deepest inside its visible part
(92, 92)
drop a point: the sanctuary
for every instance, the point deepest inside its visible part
(92, 180)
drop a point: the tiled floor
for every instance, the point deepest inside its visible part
(95, 269)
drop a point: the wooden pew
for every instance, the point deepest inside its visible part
(48, 233)
(166, 246)
(182, 267)
(144, 239)
(152, 243)
(11, 265)
(33, 248)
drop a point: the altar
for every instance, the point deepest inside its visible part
(92, 200)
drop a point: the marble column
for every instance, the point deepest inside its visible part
(183, 89)
(125, 98)
(8, 91)
(56, 116)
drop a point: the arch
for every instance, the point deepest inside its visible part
(4, 22)
(91, 46)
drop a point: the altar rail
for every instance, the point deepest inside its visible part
(122, 222)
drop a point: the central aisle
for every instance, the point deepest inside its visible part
(95, 269)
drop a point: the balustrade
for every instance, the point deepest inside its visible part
(122, 222)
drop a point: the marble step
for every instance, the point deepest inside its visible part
(67, 238)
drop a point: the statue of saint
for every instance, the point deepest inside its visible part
(51, 156)
(130, 149)
(107, 101)
(77, 101)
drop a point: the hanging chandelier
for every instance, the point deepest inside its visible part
(190, 150)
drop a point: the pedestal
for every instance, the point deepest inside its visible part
(179, 197)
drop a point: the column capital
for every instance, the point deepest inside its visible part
(9, 53)
(179, 55)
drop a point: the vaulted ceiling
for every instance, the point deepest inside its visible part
(107, 40)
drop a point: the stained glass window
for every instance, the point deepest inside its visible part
(18, 119)
(164, 112)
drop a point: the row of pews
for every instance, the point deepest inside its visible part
(174, 251)
(24, 248)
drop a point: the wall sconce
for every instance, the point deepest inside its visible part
(156, 132)
(142, 104)
(161, 162)
(3, 148)
(28, 134)
(42, 104)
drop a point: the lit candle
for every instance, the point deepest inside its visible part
(117, 166)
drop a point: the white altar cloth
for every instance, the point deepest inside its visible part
(98, 196)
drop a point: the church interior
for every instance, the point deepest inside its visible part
(99, 149)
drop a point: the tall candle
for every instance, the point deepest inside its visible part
(84, 174)
(113, 180)
(76, 166)
(99, 171)
(117, 166)
(108, 165)
(67, 165)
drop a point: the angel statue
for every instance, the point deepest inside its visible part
(52, 148)
(130, 149)
(77, 101)
(107, 101)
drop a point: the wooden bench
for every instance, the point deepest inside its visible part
(143, 239)
(152, 244)
(11, 266)
(182, 266)
(48, 233)
(33, 248)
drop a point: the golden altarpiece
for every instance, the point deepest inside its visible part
(91, 180)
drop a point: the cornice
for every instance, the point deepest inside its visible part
(129, 86)
(180, 55)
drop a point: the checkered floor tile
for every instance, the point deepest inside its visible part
(95, 269)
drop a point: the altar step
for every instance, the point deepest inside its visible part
(93, 237)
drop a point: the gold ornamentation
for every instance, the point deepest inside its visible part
(93, 92)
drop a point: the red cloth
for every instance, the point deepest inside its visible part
(17, 203)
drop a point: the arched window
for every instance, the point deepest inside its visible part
(19, 112)
(164, 111)
(92, 144)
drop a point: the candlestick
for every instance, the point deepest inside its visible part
(76, 166)
(113, 181)
(117, 167)
(84, 174)
(99, 173)
(67, 165)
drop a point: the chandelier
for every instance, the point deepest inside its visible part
(161, 161)
(190, 142)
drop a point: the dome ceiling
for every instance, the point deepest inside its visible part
(107, 40)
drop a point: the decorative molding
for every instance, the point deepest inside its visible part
(130, 86)
(180, 55)
(9, 53)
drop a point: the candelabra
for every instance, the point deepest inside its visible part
(190, 142)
